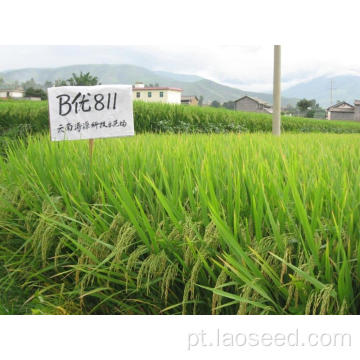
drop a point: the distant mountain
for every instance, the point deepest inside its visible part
(129, 74)
(179, 77)
(345, 88)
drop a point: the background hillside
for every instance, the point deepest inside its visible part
(129, 74)
(345, 88)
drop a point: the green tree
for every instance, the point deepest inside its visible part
(201, 100)
(83, 79)
(47, 84)
(215, 104)
(31, 92)
(304, 105)
(30, 84)
(2, 82)
(229, 105)
(60, 83)
(310, 113)
(309, 108)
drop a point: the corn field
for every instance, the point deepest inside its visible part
(181, 224)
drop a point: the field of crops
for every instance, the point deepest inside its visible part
(182, 224)
(17, 118)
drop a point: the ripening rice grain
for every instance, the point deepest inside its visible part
(171, 224)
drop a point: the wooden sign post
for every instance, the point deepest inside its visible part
(90, 112)
(91, 147)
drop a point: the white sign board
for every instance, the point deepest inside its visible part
(90, 112)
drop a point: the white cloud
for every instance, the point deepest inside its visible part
(246, 67)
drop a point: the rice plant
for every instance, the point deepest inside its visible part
(18, 118)
(181, 224)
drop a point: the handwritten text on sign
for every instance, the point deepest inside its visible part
(90, 112)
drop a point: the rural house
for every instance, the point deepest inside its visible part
(12, 94)
(168, 95)
(251, 104)
(344, 111)
(189, 100)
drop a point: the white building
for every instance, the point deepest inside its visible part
(15, 94)
(167, 95)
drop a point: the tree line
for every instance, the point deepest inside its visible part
(307, 108)
(34, 89)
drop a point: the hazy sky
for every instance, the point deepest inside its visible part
(245, 67)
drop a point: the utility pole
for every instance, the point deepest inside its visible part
(331, 90)
(276, 122)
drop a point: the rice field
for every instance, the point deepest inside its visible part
(18, 118)
(181, 224)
